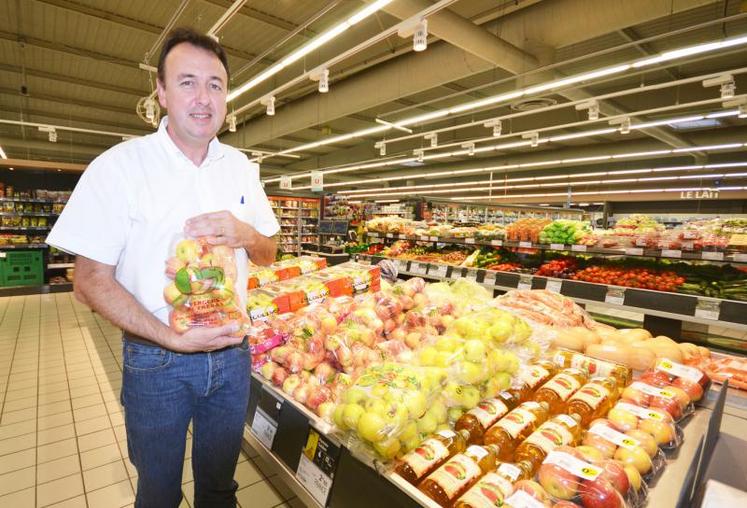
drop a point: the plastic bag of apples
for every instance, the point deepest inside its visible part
(694, 382)
(201, 288)
(654, 391)
(578, 477)
(656, 422)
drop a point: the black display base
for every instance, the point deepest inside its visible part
(36, 290)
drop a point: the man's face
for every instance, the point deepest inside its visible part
(194, 92)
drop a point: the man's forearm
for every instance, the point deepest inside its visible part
(261, 249)
(107, 297)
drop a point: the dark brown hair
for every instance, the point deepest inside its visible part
(195, 38)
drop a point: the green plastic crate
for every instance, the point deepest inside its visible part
(22, 268)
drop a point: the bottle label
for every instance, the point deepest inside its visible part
(568, 420)
(645, 413)
(549, 436)
(614, 436)
(573, 465)
(679, 370)
(477, 451)
(488, 412)
(593, 394)
(491, 490)
(651, 390)
(453, 476)
(448, 434)
(533, 375)
(516, 421)
(563, 385)
(509, 471)
(422, 458)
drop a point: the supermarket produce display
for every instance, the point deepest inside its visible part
(449, 396)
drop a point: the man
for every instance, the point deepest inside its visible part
(122, 221)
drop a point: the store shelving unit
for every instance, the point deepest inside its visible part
(298, 218)
(463, 212)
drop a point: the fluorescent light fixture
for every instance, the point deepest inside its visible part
(324, 81)
(420, 36)
(231, 123)
(269, 102)
(705, 123)
(505, 97)
(386, 201)
(2, 153)
(307, 48)
(433, 138)
(594, 193)
(393, 125)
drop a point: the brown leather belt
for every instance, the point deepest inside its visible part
(146, 342)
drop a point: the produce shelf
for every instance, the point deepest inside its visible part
(730, 257)
(674, 306)
(24, 246)
(280, 434)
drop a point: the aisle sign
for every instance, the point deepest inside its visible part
(286, 183)
(317, 181)
(264, 428)
(317, 465)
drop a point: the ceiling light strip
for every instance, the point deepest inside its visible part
(596, 193)
(558, 83)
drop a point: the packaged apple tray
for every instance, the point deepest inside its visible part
(348, 279)
(260, 276)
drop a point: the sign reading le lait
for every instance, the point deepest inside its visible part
(704, 194)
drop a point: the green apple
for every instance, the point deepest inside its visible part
(371, 427)
(474, 350)
(188, 250)
(470, 397)
(427, 424)
(455, 413)
(337, 416)
(428, 355)
(355, 395)
(388, 448)
(351, 414)
(415, 403)
(409, 431)
(438, 410)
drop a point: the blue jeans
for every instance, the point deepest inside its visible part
(161, 392)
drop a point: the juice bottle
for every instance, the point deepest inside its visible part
(532, 377)
(560, 430)
(559, 389)
(494, 487)
(481, 417)
(515, 427)
(460, 472)
(622, 374)
(594, 399)
(430, 454)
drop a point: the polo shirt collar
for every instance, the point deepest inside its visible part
(215, 147)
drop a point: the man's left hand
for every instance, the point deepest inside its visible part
(221, 228)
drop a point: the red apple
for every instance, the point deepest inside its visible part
(590, 454)
(662, 432)
(566, 504)
(655, 378)
(636, 397)
(317, 396)
(634, 477)
(636, 457)
(534, 489)
(614, 471)
(645, 440)
(624, 420)
(606, 448)
(558, 482)
(301, 393)
(680, 395)
(693, 389)
(671, 406)
(279, 375)
(600, 493)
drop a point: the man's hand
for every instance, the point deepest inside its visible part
(222, 228)
(199, 340)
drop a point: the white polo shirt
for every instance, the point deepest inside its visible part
(130, 206)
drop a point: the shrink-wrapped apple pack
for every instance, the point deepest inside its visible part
(201, 289)
(656, 422)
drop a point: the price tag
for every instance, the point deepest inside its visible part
(525, 245)
(317, 466)
(578, 248)
(615, 296)
(706, 314)
(498, 243)
(634, 251)
(401, 265)
(264, 428)
(418, 268)
(521, 499)
(614, 436)
(679, 370)
(439, 270)
(646, 414)
(423, 238)
(472, 240)
(471, 274)
(554, 285)
(525, 282)
(740, 257)
(402, 237)
(456, 273)
(671, 253)
(557, 246)
(373, 234)
(389, 235)
(489, 279)
(713, 256)
(573, 465)
(433, 238)
(651, 390)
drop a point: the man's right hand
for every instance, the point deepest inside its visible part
(200, 340)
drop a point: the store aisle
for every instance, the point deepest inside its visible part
(62, 437)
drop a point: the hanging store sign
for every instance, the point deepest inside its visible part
(286, 183)
(317, 181)
(705, 194)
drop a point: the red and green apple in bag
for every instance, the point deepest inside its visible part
(201, 289)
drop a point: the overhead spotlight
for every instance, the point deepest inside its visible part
(742, 111)
(497, 126)
(231, 123)
(420, 36)
(433, 138)
(725, 83)
(470, 148)
(533, 138)
(324, 81)
(381, 147)
(12, 169)
(625, 126)
(592, 107)
(52, 134)
(269, 102)
(419, 155)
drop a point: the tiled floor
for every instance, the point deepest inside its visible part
(62, 438)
